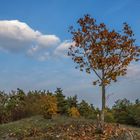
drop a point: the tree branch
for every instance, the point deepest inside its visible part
(97, 74)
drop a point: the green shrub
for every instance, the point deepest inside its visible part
(136, 114)
(86, 110)
(109, 117)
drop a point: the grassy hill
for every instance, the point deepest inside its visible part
(34, 127)
(37, 128)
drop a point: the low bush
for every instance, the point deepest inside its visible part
(73, 112)
(48, 106)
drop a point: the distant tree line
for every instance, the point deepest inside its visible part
(18, 104)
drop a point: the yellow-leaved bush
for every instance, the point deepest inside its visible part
(48, 106)
(73, 112)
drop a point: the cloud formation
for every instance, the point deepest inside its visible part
(18, 37)
(61, 50)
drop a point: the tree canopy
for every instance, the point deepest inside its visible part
(103, 51)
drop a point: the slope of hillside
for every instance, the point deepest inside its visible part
(60, 128)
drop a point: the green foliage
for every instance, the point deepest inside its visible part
(126, 112)
(61, 101)
(3, 103)
(18, 104)
(33, 103)
(135, 111)
(137, 101)
(86, 110)
(109, 116)
(72, 101)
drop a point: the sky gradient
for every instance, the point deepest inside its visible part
(34, 40)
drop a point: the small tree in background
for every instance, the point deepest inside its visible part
(73, 112)
(61, 101)
(16, 105)
(4, 116)
(105, 52)
(86, 110)
(123, 111)
(72, 101)
(48, 106)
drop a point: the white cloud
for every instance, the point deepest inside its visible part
(62, 49)
(48, 40)
(18, 37)
(15, 29)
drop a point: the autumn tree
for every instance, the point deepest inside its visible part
(48, 106)
(73, 112)
(105, 52)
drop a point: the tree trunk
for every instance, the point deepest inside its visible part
(103, 104)
(103, 99)
(100, 120)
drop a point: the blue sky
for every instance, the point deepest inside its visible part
(34, 39)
